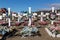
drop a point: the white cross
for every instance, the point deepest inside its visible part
(58, 14)
(13, 14)
(34, 14)
(47, 15)
(24, 14)
(4, 14)
(0, 16)
(9, 24)
(29, 24)
(41, 16)
(52, 9)
(8, 11)
(52, 21)
(55, 11)
(18, 16)
(29, 10)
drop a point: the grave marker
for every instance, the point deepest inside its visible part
(42, 15)
(18, 16)
(34, 14)
(52, 21)
(29, 24)
(47, 15)
(9, 24)
(0, 17)
(52, 9)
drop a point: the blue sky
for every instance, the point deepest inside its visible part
(20, 5)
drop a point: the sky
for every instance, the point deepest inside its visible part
(22, 5)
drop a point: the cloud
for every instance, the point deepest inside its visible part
(56, 5)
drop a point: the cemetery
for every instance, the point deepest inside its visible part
(30, 24)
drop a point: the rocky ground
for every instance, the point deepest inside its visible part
(44, 36)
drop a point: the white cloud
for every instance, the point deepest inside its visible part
(56, 5)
